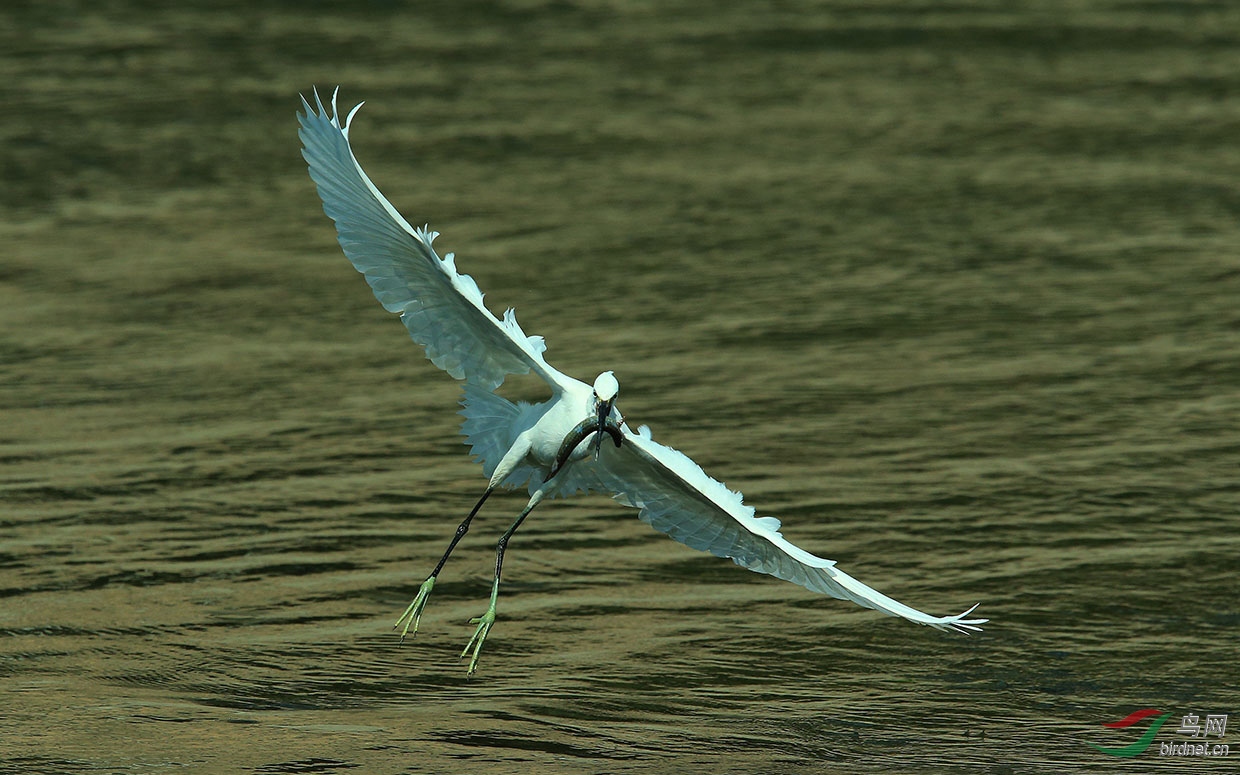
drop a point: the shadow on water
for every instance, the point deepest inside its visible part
(949, 288)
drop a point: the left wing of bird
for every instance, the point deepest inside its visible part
(442, 308)
(676, 497)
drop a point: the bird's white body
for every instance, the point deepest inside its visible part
(555, 447)
(539, 434)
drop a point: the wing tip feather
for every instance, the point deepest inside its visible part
(959, 624)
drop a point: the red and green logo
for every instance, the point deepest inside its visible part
(1137, 748)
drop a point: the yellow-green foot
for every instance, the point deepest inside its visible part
(413, 614)
(484, 623)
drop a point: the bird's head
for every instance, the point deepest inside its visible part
(606, 388)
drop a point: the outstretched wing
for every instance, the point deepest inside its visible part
(442, 308)
(676, 497)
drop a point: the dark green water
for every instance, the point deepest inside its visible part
(950, 288)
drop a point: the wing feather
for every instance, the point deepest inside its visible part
(442, 308)
(491, 426)
(676, 497)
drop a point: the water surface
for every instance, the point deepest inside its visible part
(951, 289)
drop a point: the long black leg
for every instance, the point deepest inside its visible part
(485, 621)
(461, 530)
(413, 614)
(502, 546)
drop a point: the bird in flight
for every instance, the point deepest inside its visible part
(577, 440)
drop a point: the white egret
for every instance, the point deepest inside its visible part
(556, 446)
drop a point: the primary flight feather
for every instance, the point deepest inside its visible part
(575, 441)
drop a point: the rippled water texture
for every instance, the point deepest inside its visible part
(950, 288)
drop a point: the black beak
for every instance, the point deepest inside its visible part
(604, 411)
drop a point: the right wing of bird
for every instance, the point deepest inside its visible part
(676, 497)
(442, 308)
